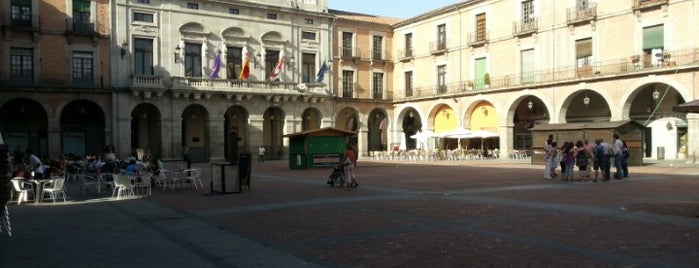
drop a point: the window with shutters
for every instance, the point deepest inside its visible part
(347, 44)
(347, 84)
(377, 84)
(653, 45)
(480, 27)
(441, 79)
(377, 47)
(583, 52)
(408, 84)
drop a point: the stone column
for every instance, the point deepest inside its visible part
(54, 137)
(217, 135)
(692, 137)
(363, 141)
(506, 137)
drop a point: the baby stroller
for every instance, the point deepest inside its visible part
(337, 176)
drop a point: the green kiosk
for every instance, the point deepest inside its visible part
(317, 148)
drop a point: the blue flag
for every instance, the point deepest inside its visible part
(321, 73)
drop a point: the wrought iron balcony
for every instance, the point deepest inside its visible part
(582, 14)
(21, 22)
(79, 27)
(628, 66)
(438, 47)
(640, 5)
(478, 38)
(525, 26)
(350, 53)
(405, 55)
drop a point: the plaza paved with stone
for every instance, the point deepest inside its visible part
(489, 213)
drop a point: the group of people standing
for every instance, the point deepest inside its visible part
(588, 156)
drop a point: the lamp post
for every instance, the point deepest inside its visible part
(178, 57)
(530, 105)
(586, 100)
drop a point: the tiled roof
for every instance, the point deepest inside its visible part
(364, 17)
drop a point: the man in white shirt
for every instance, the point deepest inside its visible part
(617, 149)
(35, 164)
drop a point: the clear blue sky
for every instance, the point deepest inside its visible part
(390, 8)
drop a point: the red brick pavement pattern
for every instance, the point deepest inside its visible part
(410, 215)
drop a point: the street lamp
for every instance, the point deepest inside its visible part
(586, 100)
(178, 57)
(530, 104)
(656, 94)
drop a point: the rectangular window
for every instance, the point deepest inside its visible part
(347, 84)
(142, 17)
(583, 52)
(377, 46)
(81, 16)
(272, 16)
(143, 56)
(21, 13)
(234, 11)
(143, 1)
(192, 60)
(308, 36)
(234, 61)
(377, 83)
(192, 6)
(480, 27)
(528, 12)
(528, 64)
(409, 45)
(309, 21)
(21, 65)
(582, 4)
(308, 68)
(271, 59)
(347, 47)
(479, 70)
(441, 37)
(441, 79)
(82, 68)
(408, 84)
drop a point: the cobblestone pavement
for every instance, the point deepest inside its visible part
(490, 213)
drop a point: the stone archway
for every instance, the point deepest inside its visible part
(146, 129)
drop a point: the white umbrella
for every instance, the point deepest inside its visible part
(484, 134)
(458, 133)
(423, 136)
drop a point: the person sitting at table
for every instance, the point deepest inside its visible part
(35, 164)
(155, 165)
(132, 167)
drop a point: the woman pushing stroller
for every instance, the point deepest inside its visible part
(345, 169)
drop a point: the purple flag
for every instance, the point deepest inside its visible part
(217, 65)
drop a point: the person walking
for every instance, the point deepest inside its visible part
(625, 160)
(548, 154)
(261, 154)
(617, 148)
(350, 162)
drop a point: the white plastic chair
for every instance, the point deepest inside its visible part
(122, 186)
(144, 184)
(193, 176)
(87, 181)
(55, 189)
(23, 188)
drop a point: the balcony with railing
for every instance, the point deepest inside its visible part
(350, 52)
(438, 47)
(478, 38)
(80, 27)
(405, 54)
(525, 26)
(631, 66)
(21, 22)
(581, 14)
(380, 55)
(642, 5)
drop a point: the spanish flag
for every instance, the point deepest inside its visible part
(245, 72)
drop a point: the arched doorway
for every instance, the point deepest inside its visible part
(411, 124)
(273, 127)
(195, 136)
(146, 130)
(651, 105)
(24, 125)
(82, 129)
(378, 122)
(529, 112)
(236, 138)
(311, 119)
(348, 119)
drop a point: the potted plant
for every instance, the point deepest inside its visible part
(486, 79)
